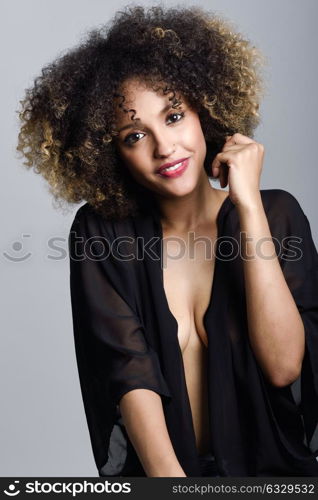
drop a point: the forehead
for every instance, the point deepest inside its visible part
(140, 96)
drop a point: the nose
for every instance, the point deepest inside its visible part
(163, 147)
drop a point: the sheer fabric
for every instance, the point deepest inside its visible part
(126, 337)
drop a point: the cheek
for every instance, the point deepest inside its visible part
(129, 159)
(133, 163)
(196, 138)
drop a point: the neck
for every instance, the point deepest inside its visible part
(189, 212)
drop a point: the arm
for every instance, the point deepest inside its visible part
(144, 420)
(112, 339)
(276, 329)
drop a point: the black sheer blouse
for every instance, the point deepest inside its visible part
(126, 338)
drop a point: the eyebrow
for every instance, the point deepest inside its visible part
(133, 124)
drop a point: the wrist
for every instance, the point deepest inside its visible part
(167, 469)
(250, 207)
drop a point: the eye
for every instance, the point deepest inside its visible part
(131, 138)
(178, 116)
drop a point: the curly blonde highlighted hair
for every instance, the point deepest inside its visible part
(68, 116)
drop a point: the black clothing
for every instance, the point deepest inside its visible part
(208, 466)
(126, 338)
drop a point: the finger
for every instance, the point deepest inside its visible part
(215, 171)
(230, 146)
(238, 138)
(222, 157)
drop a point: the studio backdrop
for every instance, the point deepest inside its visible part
(43, 425)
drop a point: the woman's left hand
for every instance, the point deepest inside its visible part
(239, 164)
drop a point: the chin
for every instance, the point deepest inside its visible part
(181, 188)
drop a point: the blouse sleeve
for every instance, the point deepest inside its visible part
(104, 322)
(299, 262)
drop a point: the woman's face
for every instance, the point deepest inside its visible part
(162, 135)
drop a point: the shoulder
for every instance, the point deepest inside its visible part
(87, 215)
(282, 209)
(282, 204)
(90, 221)
(279, 198)
(284, 212)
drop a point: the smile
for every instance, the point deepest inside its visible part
(175, 170)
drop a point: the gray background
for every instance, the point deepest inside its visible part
(43, 426)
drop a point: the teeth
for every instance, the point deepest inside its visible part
(174, 167)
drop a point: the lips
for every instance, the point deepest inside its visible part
(174, 168)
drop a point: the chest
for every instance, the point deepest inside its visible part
(188, 272)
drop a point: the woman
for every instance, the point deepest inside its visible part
(194, 360)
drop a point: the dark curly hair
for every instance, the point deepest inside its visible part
(67, 131)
